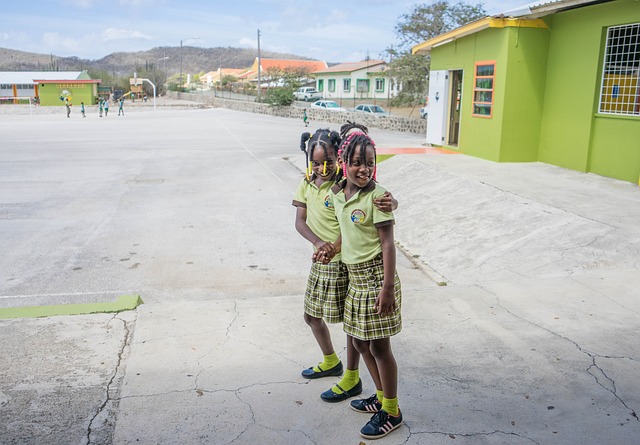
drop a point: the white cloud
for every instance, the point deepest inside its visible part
(122, 34)
(135, 3)
(53, 42)
(82, 4)
(247, 42)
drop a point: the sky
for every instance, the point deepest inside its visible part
(330, 30)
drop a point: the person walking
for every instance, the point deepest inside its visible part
(120, 105)
(100, 106)
(82, 109)
(305, 118)
(106, 107)
(372, 313)
(68, 105)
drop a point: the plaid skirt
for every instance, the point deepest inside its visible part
(360, 319)
(326, 291)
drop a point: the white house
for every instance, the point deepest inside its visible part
(358, 81)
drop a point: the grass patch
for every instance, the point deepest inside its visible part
(380, 158)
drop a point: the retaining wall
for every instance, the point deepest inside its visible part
(391, 123)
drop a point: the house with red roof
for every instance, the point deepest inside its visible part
(269, 67)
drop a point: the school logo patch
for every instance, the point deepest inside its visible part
(358, 216)
(327, 202)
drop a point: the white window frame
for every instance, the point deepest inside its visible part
(620, 82)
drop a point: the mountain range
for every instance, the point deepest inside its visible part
(166, 58)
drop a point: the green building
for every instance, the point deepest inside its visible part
(48, 87)
(556, 82)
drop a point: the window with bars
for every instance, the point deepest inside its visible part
(620, 87)
(379, 85)
(346, 85)
(483, 77)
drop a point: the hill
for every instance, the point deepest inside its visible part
(194, 60)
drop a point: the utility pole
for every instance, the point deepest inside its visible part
(259, 92)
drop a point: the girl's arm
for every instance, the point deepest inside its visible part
(304, 230)
(386, 203)
(386, 302)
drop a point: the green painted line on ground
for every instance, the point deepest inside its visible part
(380, 158)
(122, 303)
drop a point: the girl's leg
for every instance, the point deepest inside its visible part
(321, 333)
(363, 347)
(330, 365)
(353, 356)
(350, 385)
(388, 369)
(389, 417)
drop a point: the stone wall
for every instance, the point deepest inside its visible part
(391, 123)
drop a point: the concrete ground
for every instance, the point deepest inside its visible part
(520, 288)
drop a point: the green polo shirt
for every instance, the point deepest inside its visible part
(359, 220)
(321, 217)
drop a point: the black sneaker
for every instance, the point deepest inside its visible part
(380, 425)
(369, 405)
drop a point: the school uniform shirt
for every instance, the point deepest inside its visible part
(321, 217)
(359, 220)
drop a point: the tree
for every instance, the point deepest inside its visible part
(424, 22)
(281, 83)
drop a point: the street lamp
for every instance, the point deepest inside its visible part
(184, 40)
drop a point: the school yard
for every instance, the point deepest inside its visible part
(520, 286)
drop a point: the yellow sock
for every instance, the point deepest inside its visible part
(390, 406)
(329, 362)
(379, 395)
(350, 379)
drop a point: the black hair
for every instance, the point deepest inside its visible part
(351, 139)
(323, 137)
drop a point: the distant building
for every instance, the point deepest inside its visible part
(270, 66)
(48, 87)
(355, 80)
(214, 77)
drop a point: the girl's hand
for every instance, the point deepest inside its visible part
(386, 203)
(324, 254)
(385, 303)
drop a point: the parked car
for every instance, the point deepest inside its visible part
(423, 113)
(307, 93)
(327, 105)
(375, 110)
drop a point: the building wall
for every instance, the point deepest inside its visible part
(353, 97)
(79, 92)
(481, 137)
(573, 134)
(526, 54)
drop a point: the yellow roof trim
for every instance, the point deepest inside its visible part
(474, 27)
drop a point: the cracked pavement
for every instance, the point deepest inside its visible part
(520, 286)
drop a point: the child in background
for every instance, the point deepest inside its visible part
(327, 283)
(372, 308)
(305, 118)
(82, 109)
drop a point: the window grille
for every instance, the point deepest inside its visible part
(379, 85)
(620, 87)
